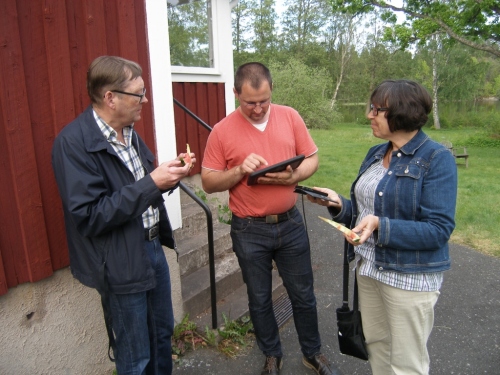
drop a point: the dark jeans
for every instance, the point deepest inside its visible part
(256, 244)
(143, 323)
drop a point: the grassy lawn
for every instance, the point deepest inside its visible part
(342, 149)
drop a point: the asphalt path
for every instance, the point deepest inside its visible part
(466, 335)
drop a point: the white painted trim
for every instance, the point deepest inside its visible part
(194, 70)
(162, 96)
(163, 74)
(216, 16)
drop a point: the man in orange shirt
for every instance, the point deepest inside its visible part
(265, 224)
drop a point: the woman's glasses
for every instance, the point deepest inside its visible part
(376, 110)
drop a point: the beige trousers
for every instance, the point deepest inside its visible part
(397, 324)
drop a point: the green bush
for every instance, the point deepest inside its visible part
(302, 88)
(490, 120)
(483, 140)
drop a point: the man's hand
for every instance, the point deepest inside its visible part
(215, 181)
(169, 173)
(292, 176)
(278, 178)
(251, 163)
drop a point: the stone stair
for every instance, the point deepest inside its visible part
(192, 244)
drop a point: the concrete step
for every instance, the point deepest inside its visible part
(192, 244)
(193, 250)
(196, 285)
(235, 305)
(194, 219)
(196, 190)
(194, 184)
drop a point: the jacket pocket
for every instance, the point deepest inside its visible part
(414, 169)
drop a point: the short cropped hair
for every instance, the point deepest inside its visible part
(254, 73)
(110, 73)
(409, 104)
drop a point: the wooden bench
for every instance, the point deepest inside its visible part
(463, 155)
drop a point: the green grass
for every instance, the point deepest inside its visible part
(342, 149)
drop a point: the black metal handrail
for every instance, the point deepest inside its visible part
(211, 251)
(200, 121)
(210, 226)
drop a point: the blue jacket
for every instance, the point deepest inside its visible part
(103, 206)
(415, 202)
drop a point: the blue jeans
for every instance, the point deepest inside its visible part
(256, 244)
(143, 322)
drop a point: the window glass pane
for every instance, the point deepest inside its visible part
(190, 33)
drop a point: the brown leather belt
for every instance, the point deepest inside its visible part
(274, 219)
(151, 233)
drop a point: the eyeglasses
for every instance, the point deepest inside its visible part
(376, 110)
(252, 105)
(140, 96)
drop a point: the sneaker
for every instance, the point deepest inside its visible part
(272, 366)
(320, 364)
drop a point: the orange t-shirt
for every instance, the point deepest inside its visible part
(234, 138)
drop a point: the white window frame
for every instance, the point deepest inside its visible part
(175, 69)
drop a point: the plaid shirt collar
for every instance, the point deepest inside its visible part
(109, 133)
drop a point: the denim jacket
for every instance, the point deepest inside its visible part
(415, 202)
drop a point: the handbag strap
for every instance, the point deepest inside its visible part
(345, 284)
(355, 299)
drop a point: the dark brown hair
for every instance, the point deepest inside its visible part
(110, 73)
(254, 73)
(409, 104)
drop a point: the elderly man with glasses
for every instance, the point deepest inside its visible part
(116, 221)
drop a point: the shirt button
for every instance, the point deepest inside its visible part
(399, 154)
(381, 268)
(389, 173)
(380, 193)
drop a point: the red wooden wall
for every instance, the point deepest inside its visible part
(46, 47)
(205, 100)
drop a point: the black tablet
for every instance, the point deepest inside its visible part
(278, 167)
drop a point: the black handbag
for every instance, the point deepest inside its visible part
(350, 328)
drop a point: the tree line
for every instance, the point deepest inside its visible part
(346, 48)
(328, 53)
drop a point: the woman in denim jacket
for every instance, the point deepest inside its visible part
(403, 207)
